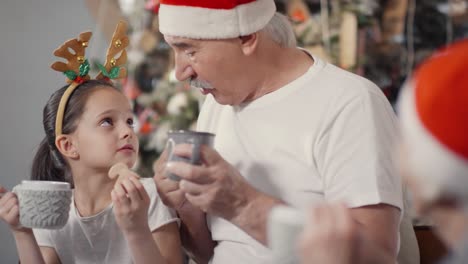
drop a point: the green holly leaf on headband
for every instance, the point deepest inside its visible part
(114, 72)
(103, 69)
(71, 75)
(84, 68)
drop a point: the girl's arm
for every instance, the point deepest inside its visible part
(161, 246)
(168, 240)
(28, 250)
(50, 256)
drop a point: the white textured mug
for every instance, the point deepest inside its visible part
(43, 204)
(284, 226)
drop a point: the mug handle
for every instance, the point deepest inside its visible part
(14, 190)
(196, 151)
(170, 147)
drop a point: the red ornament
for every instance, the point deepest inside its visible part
(79, 79)
(153, 6)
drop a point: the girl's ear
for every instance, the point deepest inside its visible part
(64, 144)
(249, 43)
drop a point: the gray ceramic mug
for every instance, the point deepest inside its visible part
(43, 204)
(195, 138)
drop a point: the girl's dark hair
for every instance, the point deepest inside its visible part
(48, 163)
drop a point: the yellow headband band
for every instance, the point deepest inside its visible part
(61, 107)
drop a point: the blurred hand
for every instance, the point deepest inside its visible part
(168, 190)
(131, 203)
(9, 210)
(215, 187)
(330, 236)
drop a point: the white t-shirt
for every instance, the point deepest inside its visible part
(97, 238)
(326, 136)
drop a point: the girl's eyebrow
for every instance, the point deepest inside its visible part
(110, 111)
(113, 111)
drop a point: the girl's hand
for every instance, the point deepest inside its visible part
(9, 210)
(131, 203)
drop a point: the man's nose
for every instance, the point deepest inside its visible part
(183, 68)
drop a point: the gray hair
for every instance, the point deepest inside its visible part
(279, 29)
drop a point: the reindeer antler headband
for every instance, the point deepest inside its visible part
(77, 67)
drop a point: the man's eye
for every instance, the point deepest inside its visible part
(106, 122)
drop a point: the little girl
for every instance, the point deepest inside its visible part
(110, 221)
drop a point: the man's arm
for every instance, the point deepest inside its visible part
(335, 234)
(194, 233)
(253, 215)
(380, 225)
(219, 189)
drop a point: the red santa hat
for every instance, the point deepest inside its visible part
(214, 19)
(434, 119)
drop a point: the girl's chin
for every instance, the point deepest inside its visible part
(129, 162)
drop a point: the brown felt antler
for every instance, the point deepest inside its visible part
(75, 58)
(117, 46)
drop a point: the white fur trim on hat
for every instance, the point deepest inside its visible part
(440, 171)
(206, 23)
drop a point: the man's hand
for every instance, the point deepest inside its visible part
(169, 191)
(216, 187)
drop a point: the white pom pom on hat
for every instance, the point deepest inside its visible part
(434, 123)
(214, 19)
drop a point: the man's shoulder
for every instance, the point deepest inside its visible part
(346, 85)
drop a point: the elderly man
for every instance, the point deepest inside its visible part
(290, 129)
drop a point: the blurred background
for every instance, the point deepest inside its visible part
(382, 40)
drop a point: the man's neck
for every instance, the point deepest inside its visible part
(287, 65)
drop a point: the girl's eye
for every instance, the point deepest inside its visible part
(130, 122)
(191, 54)
(107, 122)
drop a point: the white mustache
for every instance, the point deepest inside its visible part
(196, 83)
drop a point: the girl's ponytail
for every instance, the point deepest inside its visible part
(47, 164)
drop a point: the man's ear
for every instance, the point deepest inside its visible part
(64, 144)
(249, 43)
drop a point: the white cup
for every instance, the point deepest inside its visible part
(43, 204)
(284, 226)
